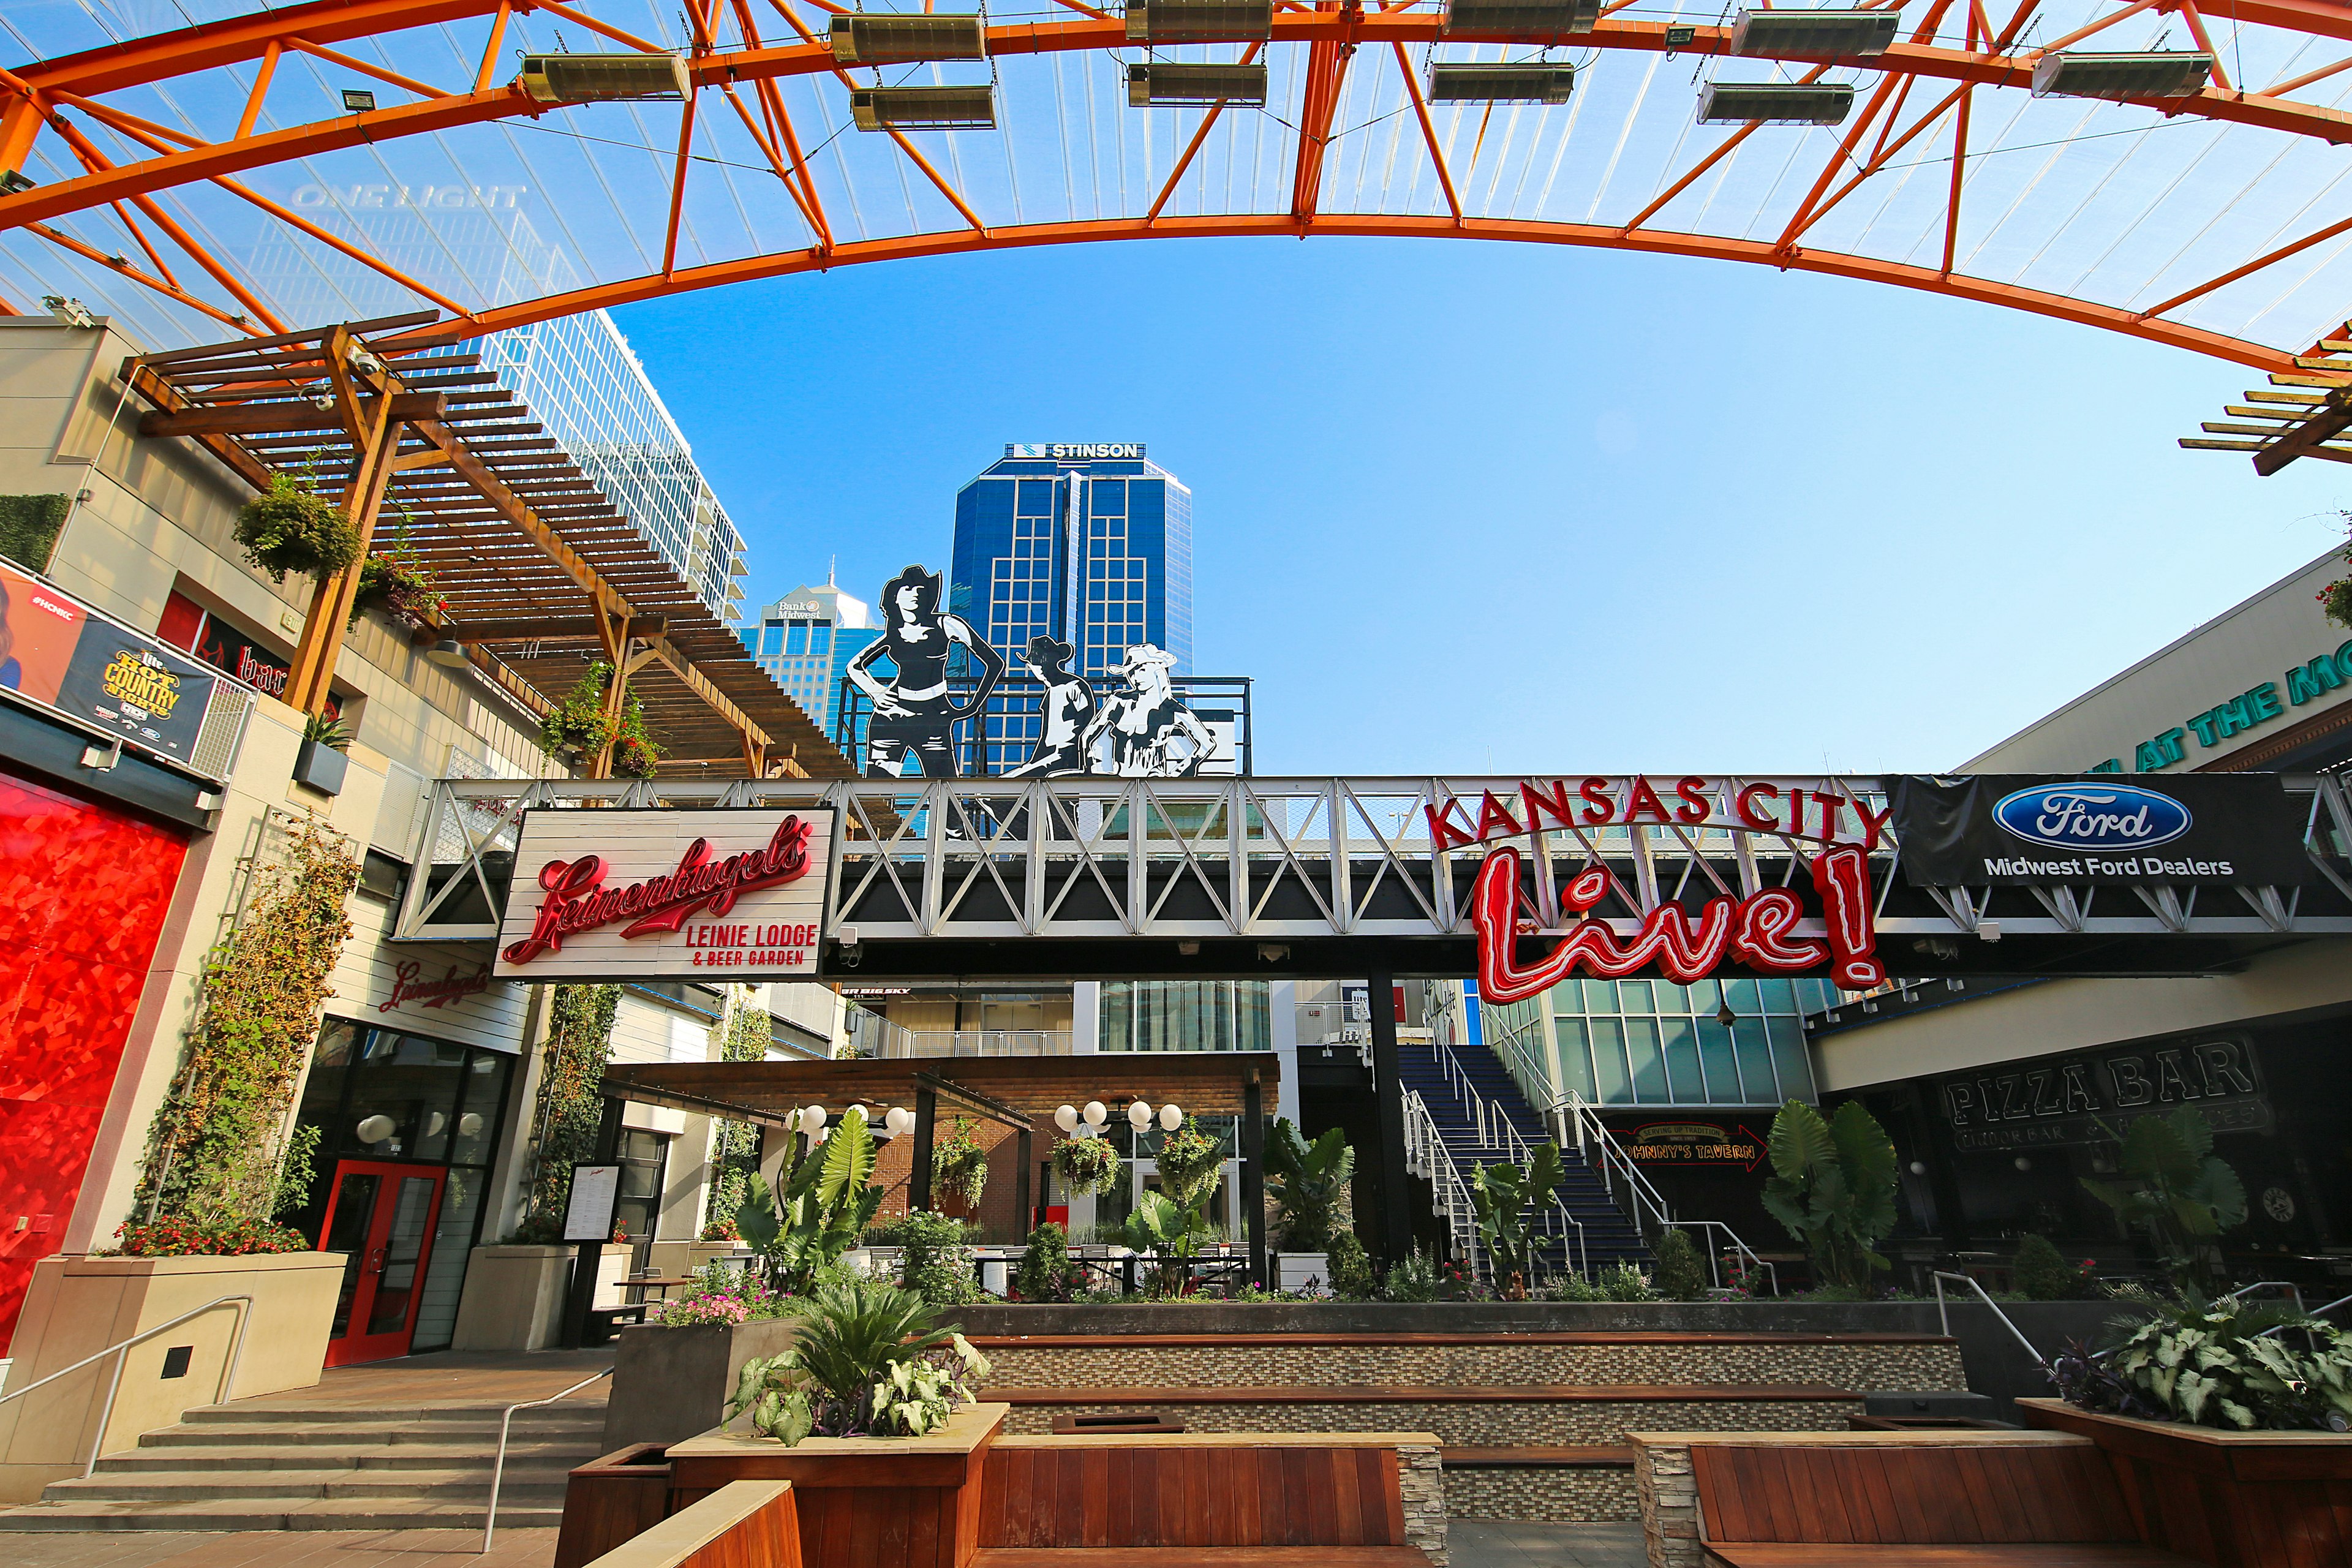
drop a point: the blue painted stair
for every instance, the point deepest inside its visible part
(1608, 1236)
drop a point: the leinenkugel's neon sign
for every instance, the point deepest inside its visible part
(577, 900)
(1758, 930)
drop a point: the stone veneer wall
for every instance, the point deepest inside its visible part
(1669, 1499)
(1553, 1495)
(1487, 1425)
(1421, 1483)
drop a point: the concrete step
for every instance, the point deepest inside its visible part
(322, 1513)
(582, 1413)
(224, 1434)
(539, 1484)
(354, 1457)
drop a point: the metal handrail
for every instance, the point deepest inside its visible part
(1422, 1139)
(1943, 1317)
(1587, 1124)
(1496, 1130)
(499, 1469)
(1738, 1247)
(2242, 1292)
(221, 1391)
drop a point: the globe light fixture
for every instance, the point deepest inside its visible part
(375, 1129)
(1171, 1118)
(1139, 1116)
(1066, 1119)
(1097, 1113)
(899, 1121)
(812, 1120)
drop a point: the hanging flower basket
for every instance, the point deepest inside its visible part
(1189, 1162)
(577, 728)
(287, 529)
(960, 1166)
(1087, 1164)
(633, 759)
(396, 583)
(2336, 600)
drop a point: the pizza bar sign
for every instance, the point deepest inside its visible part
(650, 895)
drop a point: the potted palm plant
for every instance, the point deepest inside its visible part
(321, 763)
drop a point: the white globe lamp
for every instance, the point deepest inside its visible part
(1097, 1113)
(900, 1121)
(1171, 1118)
(1139, 1116)
(812, 1120)
(1066, 1119)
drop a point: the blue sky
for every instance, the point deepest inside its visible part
(1470, 506)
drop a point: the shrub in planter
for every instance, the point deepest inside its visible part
(1351, 1270)
(1624, 1282)
(936, 1265)
(1682, 1273)
(871, 1361)
(1501, 1195)
(1047, 1273)
(287, 529)
(1310, 1184)
(2221, 1364)
(820, 1206)
(1087, 1164)
(207, 1238)
(1412, 1278)
(960, 1165)
(1833, 1187)
(2042, 1273)
(722, 1295)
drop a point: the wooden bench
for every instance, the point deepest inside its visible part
(1886, 1499)
(1215, 1500)
(744, 1524)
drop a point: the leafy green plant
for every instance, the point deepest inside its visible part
(821, 1205)
(1087, 1164)
(571, 1101)
(1501, 1195)
(2174, 1184)
(1412, 1278)
(2231, 1364)
(870, 1361)
(1310, 1184)
(1189, 1161)
(398, 583)
(742, 1034)
(1680, 1273)
(960, 1164)
(332, 733)
(1351, 1269)
(1572, 1286)
(2335, 599)
(634, 755)
(1157, 1225)
(286, 528)
(2042, 1273)
(1624, 1282)
(1832, 1188)
(936, 1262)
(577, 728)
(29, 527)
(1047, 1273)
(217, 1149)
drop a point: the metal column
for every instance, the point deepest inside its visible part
(1253, 1151)
(1387, 1089)
(919, 1181)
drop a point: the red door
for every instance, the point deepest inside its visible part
(380, 1217)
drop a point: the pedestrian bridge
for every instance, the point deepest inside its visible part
(1282, 878)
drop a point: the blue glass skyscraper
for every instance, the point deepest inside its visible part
(1090, 544)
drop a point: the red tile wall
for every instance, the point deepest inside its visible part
(83, 895)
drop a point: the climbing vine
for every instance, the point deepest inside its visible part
(571, 1101)
(216, 1152)
(741, 1034)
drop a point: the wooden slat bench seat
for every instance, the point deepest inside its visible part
(1576, 1457)
(2072, 1554)
(1201, 1557)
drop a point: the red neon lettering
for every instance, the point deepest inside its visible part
(1535, 801)
(1749, 812)
(1602, 807)
(1695, 803)
(577, 900)
(1841, 876)
(1833, 808)
(1761, 940)
(1796, 810)
(1644, 798)
(1443, 835)
(1493, 814)
(1873, 825)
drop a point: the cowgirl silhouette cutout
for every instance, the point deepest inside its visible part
(914, 714)
(1069, 705)
(1151, 733)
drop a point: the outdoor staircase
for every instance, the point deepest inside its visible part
(292, 1466)
(1608, 1236)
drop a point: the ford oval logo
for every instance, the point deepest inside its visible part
(2091, 816)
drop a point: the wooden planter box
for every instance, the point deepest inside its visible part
(610, 1501)
(2237, 1500)
(891, 1502)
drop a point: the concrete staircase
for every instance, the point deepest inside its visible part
(252, 1465)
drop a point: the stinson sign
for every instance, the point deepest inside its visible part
(649, 895)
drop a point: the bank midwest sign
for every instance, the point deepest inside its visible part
(667, 895)
(1999, 829)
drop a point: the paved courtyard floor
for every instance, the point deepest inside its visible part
(1520, 1543)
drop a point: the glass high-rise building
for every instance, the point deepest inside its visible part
(1090, 544)
(806, 640)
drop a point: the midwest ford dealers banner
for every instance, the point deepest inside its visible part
(667, 895)
(2012, 829)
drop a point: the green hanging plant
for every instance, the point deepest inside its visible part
(398, 583)
(960, 1165)
(634, 755)
(571, 1101)
(1189, 1160)
(577, 728)
(1087, 1164)
(288, 527)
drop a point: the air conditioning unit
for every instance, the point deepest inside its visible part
(1165, 82)
(1198, 21)
(923, 107)
(1774, 103)
(2167, 73)
(1831, 35)
(605, 79)
(1527, 20)
(880, 40)
(1500, 84)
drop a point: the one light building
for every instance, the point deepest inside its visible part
(806, 640)
(1090, 544)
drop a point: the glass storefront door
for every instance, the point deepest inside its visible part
(380, 1217)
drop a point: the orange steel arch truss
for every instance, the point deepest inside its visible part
(212, 175)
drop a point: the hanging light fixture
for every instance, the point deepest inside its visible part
(2155, 73)
(923, 107)
(1198, 21)
(1840, 34)
(1066, 1119)
(812, 1120)
(1139, 1116)
(873, 41)
(605, 79)
(1163, 82)
(1774, 103)
(899, 1121)
(1530, 83)
(1171, 1118)
(1097, 1113)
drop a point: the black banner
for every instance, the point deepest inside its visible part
(2022, 829)
(123, 683)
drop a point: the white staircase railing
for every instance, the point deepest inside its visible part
(1496, 1130)
(1425, 1156)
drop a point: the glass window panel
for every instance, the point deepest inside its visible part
(404, 1095)
(453, 1239)
(1635, 996)
(1576, 1059)
(1714, 1056)
(1755, 1052)
(1778, 995)
(1673, 998)
(1600, 995)
(1648, 1064)
(323, 1091)
(1741, 995)
(1789, 1055)
(1609, 1077)
(478, 1113)
(1682, 1062)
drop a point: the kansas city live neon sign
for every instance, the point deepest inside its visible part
(1757, 931)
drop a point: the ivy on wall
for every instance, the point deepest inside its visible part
(571, 1104)
(217, 1151)
(28, 528)
(741, 1034)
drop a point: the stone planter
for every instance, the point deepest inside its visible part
(513, 1299)
(2231, 1499)
(892, 1502)
(78, 1306)
(321, 767)
(670, 1383)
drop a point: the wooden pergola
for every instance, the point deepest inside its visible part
(539, 570)
(1018, 1092)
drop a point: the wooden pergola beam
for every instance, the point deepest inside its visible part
(718, 700)
(553, 628)
(262, 418)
